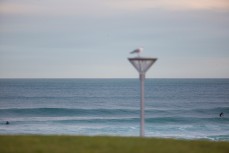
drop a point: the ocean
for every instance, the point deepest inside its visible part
(174, 108)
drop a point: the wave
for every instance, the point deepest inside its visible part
(150, 113)
(155, 121)
(64, 112)
(119, 120)
(151, 122)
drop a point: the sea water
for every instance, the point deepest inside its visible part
(174, 108)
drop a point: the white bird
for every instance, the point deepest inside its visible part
(138, 51)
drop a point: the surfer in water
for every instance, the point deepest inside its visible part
(221, 114)
(7, 122)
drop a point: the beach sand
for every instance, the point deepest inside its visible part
(106, 144)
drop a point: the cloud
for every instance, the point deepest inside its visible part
(62, 34)
(53, 8)
(172, 4)
(104, 7)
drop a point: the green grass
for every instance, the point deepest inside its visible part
(105, 144)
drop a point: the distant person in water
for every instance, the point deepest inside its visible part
(7, 122)
(221, 114)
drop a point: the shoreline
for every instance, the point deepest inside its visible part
(123, 136)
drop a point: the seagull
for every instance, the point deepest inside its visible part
(138, 51)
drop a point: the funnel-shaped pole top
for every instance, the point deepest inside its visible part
(142, 64)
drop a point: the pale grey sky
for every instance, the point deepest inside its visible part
(93, 38)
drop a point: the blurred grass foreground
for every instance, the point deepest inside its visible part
(105, 144)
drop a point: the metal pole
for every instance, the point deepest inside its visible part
(142, 123)
(142, 65)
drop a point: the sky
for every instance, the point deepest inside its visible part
(93, 38)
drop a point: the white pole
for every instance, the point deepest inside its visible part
(142, 65)
(142, 78)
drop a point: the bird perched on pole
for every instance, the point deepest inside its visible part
(137, 51)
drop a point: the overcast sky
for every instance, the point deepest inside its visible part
(93, 38)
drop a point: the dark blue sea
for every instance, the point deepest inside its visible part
(174, 108)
